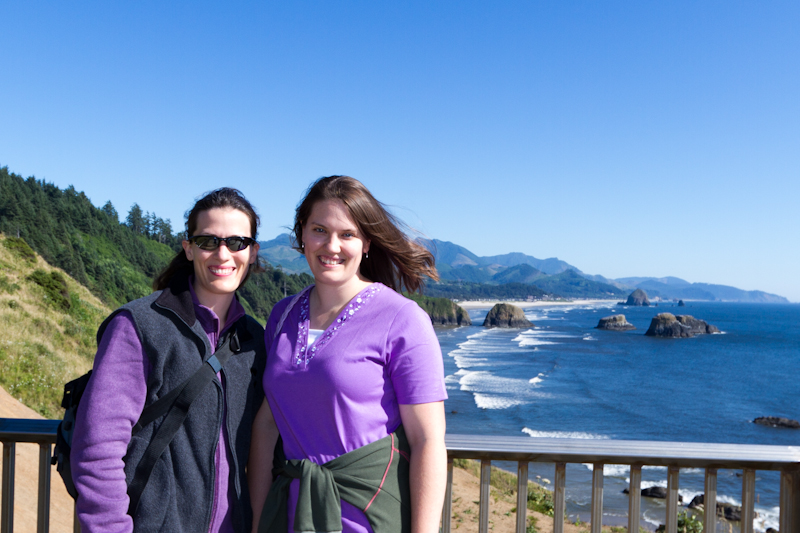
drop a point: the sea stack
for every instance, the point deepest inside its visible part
(506, 316)
(777, 422)
(681, 304)
(615, 323)
(638, 298)
(671, 326)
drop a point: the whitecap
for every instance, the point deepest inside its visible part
(486, 401)
(562, 434)
(537, 379)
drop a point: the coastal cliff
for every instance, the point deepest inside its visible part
(506, 316)
(443, 311)
(671, 326)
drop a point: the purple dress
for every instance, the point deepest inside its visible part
(344, 390)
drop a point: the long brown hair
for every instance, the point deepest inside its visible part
(394, 259)
(223, 197)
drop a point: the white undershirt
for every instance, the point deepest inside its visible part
(313, 334)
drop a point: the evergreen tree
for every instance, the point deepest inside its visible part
(136, 220)
(109, 210)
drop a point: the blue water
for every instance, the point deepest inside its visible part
(564, 378)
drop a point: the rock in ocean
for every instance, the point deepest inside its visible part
(671, 326)
(638, 298)
(615, 323)
(506, 316)
(777, 422)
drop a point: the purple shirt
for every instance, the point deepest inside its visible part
(110, 407)
(344, 390)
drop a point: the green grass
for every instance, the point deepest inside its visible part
(33, 375)
(539, 498)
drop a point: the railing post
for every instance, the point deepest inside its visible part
(483, 517)
(522, 496)
(43, 521)
(748, 500)
(447, 508)
(559, 497)
(790, 500)
(635, 498)
(673, 475)
(9, 457)
(597, 498)
(710, 501)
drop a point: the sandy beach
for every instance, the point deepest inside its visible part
(488, 304)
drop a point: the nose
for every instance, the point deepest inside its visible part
(223, 251)
(334, 244)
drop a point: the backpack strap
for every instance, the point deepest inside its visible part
(176, 405)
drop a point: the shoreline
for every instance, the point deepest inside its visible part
(488, 304)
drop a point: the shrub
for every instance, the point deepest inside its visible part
(20, 248)
(55, 287)
(8, 286)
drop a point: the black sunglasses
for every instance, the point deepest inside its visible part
(212, 242)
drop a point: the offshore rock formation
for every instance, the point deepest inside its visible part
(638, 298)
(681, 304)
(727, 511)
(443, 311)
(615, 323)
(456, 316)
(671, 326)
(777, 422)
(506, 316)
(655, 492)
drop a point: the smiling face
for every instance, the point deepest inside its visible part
(333, 245)
(218, 273)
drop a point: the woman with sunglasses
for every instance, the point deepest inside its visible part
(354, 380)
(147, 349)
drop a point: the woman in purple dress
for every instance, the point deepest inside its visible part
(350, 361)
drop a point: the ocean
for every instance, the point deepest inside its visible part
(563, 378)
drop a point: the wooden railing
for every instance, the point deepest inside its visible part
(673, 455)
(523, 450)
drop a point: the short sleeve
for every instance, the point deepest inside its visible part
(415, 366)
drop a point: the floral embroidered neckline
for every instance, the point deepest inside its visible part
(304, 353)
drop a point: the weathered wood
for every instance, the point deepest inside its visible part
(710, 500)
(559, 497)
(522, 496)
(483, 516)
(635, 498)
(597, 498)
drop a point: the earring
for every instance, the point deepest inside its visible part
(366, 256)
(302, 245)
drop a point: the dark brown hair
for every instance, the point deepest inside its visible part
(220, 198)
(394, 259)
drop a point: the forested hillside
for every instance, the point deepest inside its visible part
(115, 260)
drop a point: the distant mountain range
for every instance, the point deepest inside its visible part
(475, 275)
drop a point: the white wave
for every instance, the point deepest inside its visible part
(562, 434)
(452, 379)
(616, 470)
(588, 337)
(486, 401)
(537, 379)
(524, 343)
(768, 517)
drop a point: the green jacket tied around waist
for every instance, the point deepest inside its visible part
(374, 478)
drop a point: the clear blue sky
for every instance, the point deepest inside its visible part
(626, 138)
